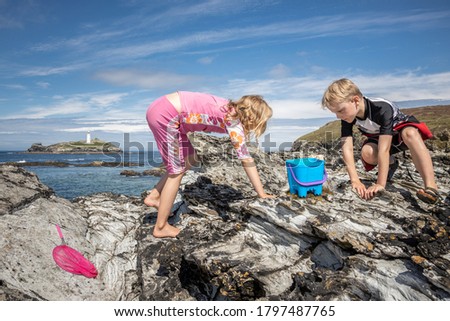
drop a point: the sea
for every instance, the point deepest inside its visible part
(73, 181)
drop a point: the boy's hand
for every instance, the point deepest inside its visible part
(360, 188)
(372, 191)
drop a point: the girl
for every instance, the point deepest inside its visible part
(171, 117)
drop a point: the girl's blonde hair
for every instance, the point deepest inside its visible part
(253, 112)
(340, 91)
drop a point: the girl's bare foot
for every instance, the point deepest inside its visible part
(167, 231)
(152, 200)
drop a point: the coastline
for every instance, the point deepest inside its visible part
(72, 175)
(73, 152)
(66, 164)
(80, 147)
(244, 247)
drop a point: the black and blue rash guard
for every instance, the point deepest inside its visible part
(380, 118)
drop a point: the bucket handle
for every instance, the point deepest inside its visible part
(325, 176)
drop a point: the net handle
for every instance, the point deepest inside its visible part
(60, 233)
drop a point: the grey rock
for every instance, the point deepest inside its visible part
(29, 236)
(233, 246)
(37, 147)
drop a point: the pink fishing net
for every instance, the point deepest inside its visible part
(71, 260)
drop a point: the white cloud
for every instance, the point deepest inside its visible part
(206, 60)
(81, 104)
(300, 97)
(9, 23)
(43, 84)
(215, 7)
(48, 71)
(106, 100)
(290, 97)
(15, 86)
(301, 108)
(406, 86)
(146, 80)
(111, 128)
(322, 26)
(16, 14)
(304, 88)
(79, 43)
(69, 107)
(279, 71)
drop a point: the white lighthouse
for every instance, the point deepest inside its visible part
(88, 138)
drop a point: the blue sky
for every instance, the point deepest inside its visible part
(71, 66)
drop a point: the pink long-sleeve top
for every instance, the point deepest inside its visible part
(207, 113)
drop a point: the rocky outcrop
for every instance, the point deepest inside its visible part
(91, 164)
(157, 172)
(233, 246)
(37, 148)
(75, 147)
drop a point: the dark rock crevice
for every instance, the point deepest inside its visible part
(220, 282)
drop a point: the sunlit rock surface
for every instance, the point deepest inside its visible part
(233, 246)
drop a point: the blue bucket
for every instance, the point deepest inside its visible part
(306, 175)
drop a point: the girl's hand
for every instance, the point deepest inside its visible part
(360, 188)
(373, 190)
(266, 196)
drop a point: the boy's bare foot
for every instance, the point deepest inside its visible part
(152, 200)
(167, 231)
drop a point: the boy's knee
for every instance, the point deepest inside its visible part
(368, 153)
(410, 134)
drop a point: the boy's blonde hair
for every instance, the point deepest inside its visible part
(253, 112)
(340, 91)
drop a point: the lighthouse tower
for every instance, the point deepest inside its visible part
(88, 138)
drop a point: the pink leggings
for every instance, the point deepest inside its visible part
(174, 147)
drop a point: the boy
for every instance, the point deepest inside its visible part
(389, 131)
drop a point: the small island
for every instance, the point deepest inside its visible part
(88, 146)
